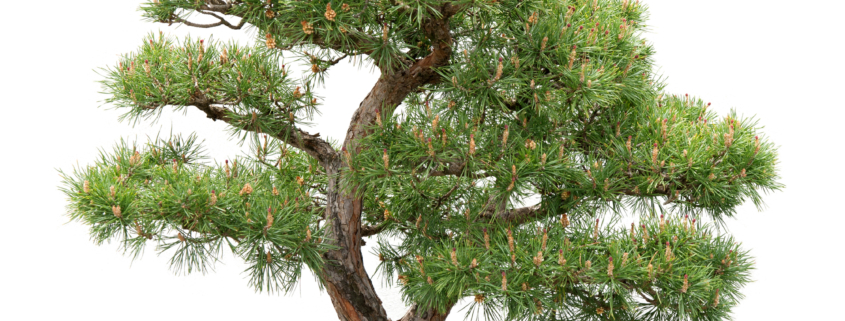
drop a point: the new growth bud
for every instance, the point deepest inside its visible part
(596, 230)
(564, 221)
(247, 189)
(538, 259)
(486, 239)
(386, 159)
(330, 14)
(270, 41)
(270, 218)
(505, 137)
(654, 152)
(510, 240)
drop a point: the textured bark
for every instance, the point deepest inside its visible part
(347, 283)
(428, 315)
(346, 280)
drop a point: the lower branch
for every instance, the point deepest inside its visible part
(312, 144)
(414, 314)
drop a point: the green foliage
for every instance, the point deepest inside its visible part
(246, 81)
(559, 273)
(161, 193)
(548, 118)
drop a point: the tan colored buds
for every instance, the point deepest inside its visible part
(224, 57)
(716, 299)
(385, 30)
(539, 258)
(510, 240)
(330, 14)
(270, 218)
(116, 210)
(247, 189)
(668, 252)
(545, 239)
(499, 69)
(307, 28)
(386, 159)
(486, 239)
(564, 220)
(654, 153)
(270, 41)
(596, 230)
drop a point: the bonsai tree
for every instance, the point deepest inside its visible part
(501, 156)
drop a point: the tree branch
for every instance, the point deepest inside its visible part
(369, 230)
(516, 216)
(430, 315)
(312, 144)
(456, 169)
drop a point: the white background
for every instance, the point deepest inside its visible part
(778, 60)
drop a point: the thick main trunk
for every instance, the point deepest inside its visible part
(346, 280)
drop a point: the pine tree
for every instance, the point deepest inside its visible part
(481, 108)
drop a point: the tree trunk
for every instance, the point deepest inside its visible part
(346, 280)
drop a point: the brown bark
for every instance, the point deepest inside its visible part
(348, 284)
(428, 315)
(346, 281)
(345, 278)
